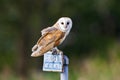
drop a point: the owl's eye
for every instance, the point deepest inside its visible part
(68, 23)
(62, 23)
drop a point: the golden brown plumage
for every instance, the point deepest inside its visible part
(51, 37)
(50, 40)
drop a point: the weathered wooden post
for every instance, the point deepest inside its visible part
(56, 63)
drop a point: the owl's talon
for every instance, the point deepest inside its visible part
(55, 51)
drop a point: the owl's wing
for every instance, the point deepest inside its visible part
(47, 30)
(48, 41)
(44, 32)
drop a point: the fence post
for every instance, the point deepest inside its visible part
(64, 74)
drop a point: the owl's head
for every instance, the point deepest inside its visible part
(64, 24)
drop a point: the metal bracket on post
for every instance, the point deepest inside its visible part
(53, 62)
(64, 74)
(56, 63)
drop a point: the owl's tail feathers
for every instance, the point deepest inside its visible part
(35, 48)
(35, 51)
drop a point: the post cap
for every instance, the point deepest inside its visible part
(66, 60)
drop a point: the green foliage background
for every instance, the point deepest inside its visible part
(93, 43)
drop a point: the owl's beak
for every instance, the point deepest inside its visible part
(65, 26)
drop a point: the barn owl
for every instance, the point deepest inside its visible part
(52, 37)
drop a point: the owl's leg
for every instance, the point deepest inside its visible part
(55, 50)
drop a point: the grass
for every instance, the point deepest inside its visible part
(91, 68)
